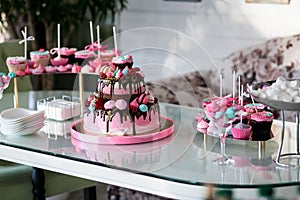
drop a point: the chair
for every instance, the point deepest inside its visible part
(16, 179)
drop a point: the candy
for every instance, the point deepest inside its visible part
(121, 104)
(109, 104)
(143, 108)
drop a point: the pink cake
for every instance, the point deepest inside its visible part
(121, 105)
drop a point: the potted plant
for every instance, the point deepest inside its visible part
(41, 18)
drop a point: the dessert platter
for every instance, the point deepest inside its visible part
(250, 121)
(284, 95)
(120, 111)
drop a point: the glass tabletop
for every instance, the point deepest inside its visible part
(186, 156)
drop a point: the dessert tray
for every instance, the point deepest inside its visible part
(167, 129)
(282, 105)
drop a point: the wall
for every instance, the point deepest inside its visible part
(194, 31)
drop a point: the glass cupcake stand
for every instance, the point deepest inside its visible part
(282, 106)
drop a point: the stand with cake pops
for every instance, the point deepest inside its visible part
(283, 106)
(225, 124)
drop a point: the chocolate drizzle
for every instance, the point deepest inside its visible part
(135, 86)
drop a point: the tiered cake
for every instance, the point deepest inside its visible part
(121, 105)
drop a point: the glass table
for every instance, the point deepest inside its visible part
(180, 166)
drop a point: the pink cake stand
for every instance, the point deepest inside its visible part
(167, 129)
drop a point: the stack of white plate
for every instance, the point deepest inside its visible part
(21, 121)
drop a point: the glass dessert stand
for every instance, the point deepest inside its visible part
(283, 106)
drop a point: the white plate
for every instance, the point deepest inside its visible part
(20, 128)
(23, 124)
(15, 115)
(22, 132)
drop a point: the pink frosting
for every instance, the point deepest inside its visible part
(50, 69)
(251, 107)
(59, 61)
(115, 127)
(83, 54)
(39, 70)
(65, 51)
(15, 60)
(241, 131)
(62, 69)
(262, 116)
(76, 69)
(20, 73)
(27, 70)
(41, 54)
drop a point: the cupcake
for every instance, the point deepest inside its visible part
(261, 123)
(69, 53)
(80, 56)
(254, 107)
(108, 55)
(241, 131)
(40, 57)
(122, 62)
(16, 63)
(202, 123)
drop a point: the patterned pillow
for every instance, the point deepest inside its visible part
(260, 63)
(188, 89)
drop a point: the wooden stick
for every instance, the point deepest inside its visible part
(16, 94)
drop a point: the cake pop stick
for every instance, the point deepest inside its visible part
(239, 88)
(115, 39)
(91, 32)
(233, 85)
(25, 39)
(242, 91)
(221, 85)
(253, 104)
(58, 40)
(98, 39)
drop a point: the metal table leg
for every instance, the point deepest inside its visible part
(291, 155)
